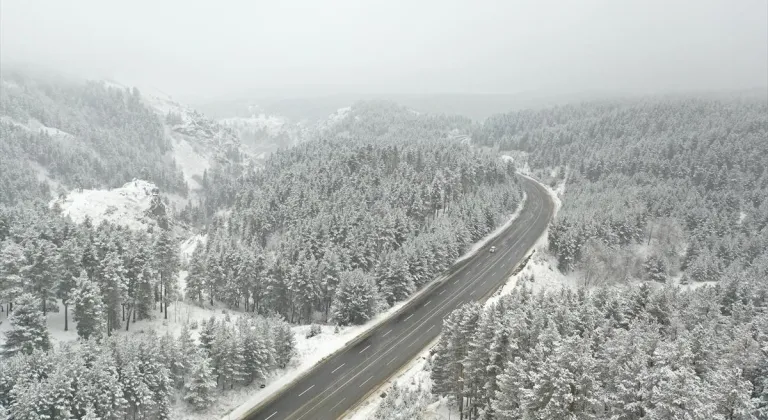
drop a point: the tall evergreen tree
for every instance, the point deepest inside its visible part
(28, 328)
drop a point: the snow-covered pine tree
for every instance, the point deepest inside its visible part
(167, 260)
(88, 309)
(208, 333)
(114, 287)
(196, 278)
(201, 383)
(28, 331)
(357, 298)
(284, 342)
(42, 271)
(257, 355)
(71, 265)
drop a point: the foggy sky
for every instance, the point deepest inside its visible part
(215, 49)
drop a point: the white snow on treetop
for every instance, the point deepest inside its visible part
(124, 206)
(335, 118)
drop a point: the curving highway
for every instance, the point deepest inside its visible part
(335, 385)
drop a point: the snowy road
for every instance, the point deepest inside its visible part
(334, 386)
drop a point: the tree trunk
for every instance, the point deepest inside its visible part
(166, 303)
(128, 322)
(66, 317)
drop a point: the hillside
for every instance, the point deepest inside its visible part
(64, 134)
(666, 189)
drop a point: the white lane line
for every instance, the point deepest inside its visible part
(441, 292)
(393, 359)
(427, 302)
(337, 404)
(494, 273)
(366, 348)
(366, 381)
(408, 317)
(334, 371)
(386, 333)
(472, 293)
(271, 415)
(305, 391)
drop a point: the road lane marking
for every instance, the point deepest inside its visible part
(271, 415)
(385, 334)
(366, 381)
(337, 404)
(408, 317)
(334, 371)
(305, 391)
(393, 359)
(404, 334)
(427, 302)
(472, 293)
(366, 348)
(494, 273)
(441, 292)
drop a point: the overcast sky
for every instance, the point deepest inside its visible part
(214, 49)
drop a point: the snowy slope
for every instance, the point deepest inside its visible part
(197, 141)
(125, 206)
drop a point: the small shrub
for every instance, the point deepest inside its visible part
(314, 330)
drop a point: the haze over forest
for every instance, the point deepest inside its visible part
(488, 210)
(198, 51)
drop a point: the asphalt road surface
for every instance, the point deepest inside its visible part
(335, 385)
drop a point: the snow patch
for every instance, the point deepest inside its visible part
(188, 246)
(124, 206)
(190, 161)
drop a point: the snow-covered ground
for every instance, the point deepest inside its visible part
(124, 206)
(192, 162)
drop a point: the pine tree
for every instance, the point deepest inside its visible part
(114, 287)
(357, 298)
(284, 342)
(71, 266)
(167, 262)
(28, 328)
(257, 357)
(208, 333)
(42, 271)
(200, 386)
(196, 281)
(88, 309)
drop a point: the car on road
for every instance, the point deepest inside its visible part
(493, 249)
